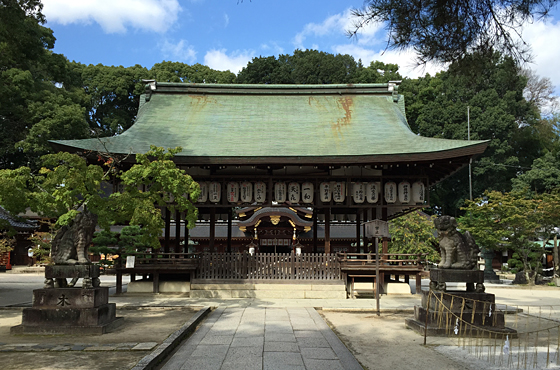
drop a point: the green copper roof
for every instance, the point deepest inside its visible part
(289, 123)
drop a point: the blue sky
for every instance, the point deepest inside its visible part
(226, 34)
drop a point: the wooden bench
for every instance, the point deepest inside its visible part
(355, 264)
(352, 283)
(157, 263)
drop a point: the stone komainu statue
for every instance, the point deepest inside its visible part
(458, 251)
(71, 243)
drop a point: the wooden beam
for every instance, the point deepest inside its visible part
(212, 228)
(167, 230)
(327, 230)
(177, 231)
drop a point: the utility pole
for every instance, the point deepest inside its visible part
(470, 160)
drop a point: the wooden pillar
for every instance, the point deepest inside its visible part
(229, 224)
(155, 287)
(186, 236)
(358, 222)
(327, 230)
(212, 228)
(177, 232)
(315, 226)
(167, 230)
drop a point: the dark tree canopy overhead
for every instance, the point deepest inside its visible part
(445, 30)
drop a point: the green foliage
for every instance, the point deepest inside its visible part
(30, 93)
(66, 185)
(544, 175)
(491, 87)
(413, 233)
(315, 67)
(197, 73)
(512, 221)
(129, 240)
(7, 243)
(41, 248)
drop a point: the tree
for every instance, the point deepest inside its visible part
(315, 67)
(31, 92)
(544, 175)
(128, 240)
(70, 190)
(445, 31)
(540, 92)
(413, 233)
(197, 73)
(491, 87)
(512, 221)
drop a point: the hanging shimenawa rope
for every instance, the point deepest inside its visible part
(538, 330)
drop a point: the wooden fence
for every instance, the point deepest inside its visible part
(307, 266)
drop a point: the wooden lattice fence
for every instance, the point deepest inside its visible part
(307, 266)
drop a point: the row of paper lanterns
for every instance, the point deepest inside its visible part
(295, 193)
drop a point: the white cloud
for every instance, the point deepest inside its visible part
(181, 51)
(338, 24)
(115, 16)
(220, 60)
(543, 38)
(226, 20)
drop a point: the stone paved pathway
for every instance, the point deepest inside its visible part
(263, 338)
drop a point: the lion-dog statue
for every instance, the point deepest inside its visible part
(458, 251)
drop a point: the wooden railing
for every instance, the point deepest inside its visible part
(387, 261)
(269, 266)
(164, 259)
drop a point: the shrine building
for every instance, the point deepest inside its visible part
(287, 167)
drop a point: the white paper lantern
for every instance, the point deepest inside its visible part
(233, 192)
(280, 192)
(203, 197)
(260, 192)
(372, 192)
(294, 191)
(325, 192)
(215, 192)
(358, 192)
(418, 190)
(390, 192)
(246, 192)
(404, 192)
(339, 192)
(307, 192)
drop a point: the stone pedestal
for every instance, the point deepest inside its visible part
(440, 312)
(473, 278)
(67, 310)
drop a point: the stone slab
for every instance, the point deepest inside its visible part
(61, 317)
(397, 288)
(456, 276)
(71, 271)
(73, 330)
(64, 298)
(325, 294)
(164, 287)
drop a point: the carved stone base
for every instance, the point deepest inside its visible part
(476, 308)
(56, 275)
(69, 310)
(473, 278)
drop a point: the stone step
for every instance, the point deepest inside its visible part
(263, 293)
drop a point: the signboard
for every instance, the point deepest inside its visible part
(377, 229)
